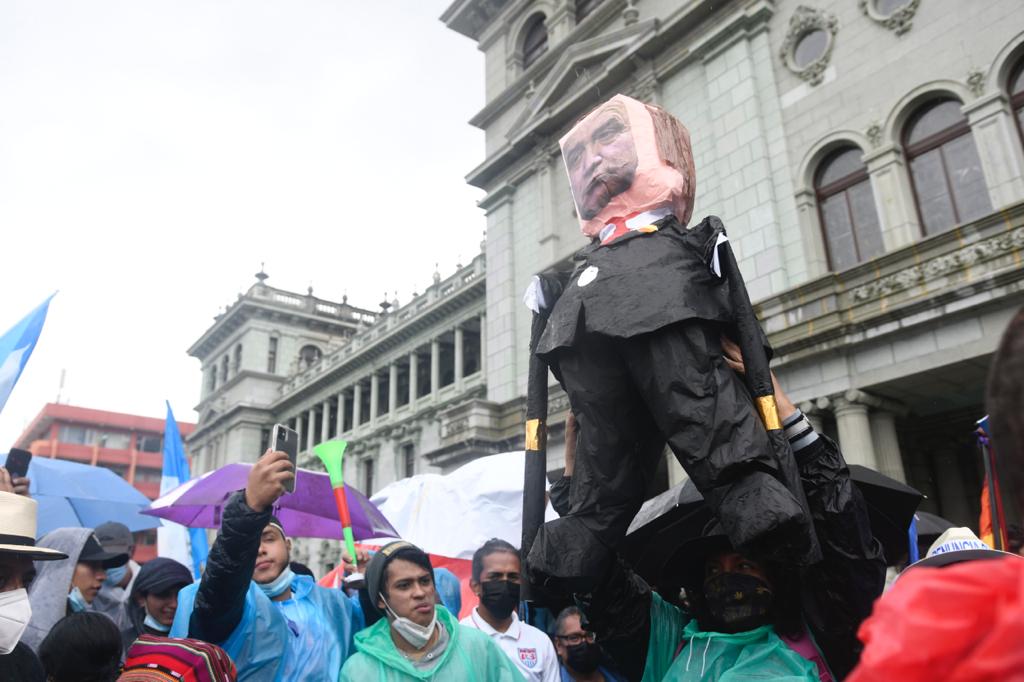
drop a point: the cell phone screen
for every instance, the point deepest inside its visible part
(17, 462)
(287, 441)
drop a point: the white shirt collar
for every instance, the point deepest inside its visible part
(513, 632)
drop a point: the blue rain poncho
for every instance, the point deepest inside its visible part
(307, 637)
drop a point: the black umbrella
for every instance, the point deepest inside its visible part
(931, 526)
(664, 523)
(679, 514)
(891, 506)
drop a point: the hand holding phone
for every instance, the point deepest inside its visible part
(17, 468)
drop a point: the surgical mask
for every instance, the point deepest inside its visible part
(583, 657)
(115, 575)
(78, 603)
(500, 597)
(153, 624)
(737, 602)
(415, 634)
(277, 586)
(15, 613)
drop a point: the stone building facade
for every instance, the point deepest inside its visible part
(866, 157)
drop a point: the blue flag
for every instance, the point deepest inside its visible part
(16, 347)
(174, 540)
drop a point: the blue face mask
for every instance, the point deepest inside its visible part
(154, 624)
(277, 586)
(78, 603)
(115, 575)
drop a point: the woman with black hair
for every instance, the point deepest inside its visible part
(83, 647)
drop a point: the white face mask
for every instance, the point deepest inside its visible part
(415, 634)
(15, 613)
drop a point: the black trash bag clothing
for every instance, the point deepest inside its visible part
(636, 346)
(836, 593)
(220, 599)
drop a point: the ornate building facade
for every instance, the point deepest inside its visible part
(866, 156)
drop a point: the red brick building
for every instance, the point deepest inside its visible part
(129, 445)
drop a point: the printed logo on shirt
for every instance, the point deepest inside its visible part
(528, 657)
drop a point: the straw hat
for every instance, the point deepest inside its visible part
(18, 529)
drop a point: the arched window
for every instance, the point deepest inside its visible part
(584, 8)
(847, 206)
(1016, 92)
(949, 184)
(308, 356)
(535, 40)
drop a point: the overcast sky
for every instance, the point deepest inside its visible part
(153, 153)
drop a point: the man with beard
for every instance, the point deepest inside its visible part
(601, 159)
(496, 575)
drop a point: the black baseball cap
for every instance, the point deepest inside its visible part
(93, 551)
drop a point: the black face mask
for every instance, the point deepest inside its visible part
(500, 597)
(737, 602)
(583, 657)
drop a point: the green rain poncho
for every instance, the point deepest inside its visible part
(469, 657)
(757, 654)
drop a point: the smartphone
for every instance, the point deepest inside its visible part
(287, 441)
(17, 462)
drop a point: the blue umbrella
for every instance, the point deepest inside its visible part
(73, 495)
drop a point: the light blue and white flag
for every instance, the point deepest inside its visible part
(16, 347)
(185, 545)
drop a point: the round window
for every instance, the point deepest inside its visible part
(810, 48)
(887, 7)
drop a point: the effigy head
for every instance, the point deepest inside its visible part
(626, 159)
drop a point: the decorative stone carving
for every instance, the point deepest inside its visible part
(874, 134)
(976, 81)
(630, 15)
(899, 20)
(805, 20)
(942, 265)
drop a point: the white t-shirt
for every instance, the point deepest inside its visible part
(529, 648)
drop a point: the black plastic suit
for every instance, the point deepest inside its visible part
(836, 594)
(634, 339)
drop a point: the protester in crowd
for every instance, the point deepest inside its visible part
(748, 616)
(496, 575)
(17, 552)
(417, 638)
(958, 614)
(274, 624)
(113, 595)
(153, 601)
(159, 659)
(83, 647)
(65, 587)
(577, 648)
(447, 587)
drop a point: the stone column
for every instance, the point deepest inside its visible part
(374, 395)
(894, 198)
(357, 404)
(414, 368)
(310, 428)
(435, 366)
(854, 430)
(325, 423)
(999, 148)
(459, 338)
(393, 387)
(299, 429)
(340, 424)
(887, 445)
(483, 344)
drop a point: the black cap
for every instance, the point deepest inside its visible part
(93, 551)
(115, 537)
(160, 575)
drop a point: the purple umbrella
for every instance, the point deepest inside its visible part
(309, 512)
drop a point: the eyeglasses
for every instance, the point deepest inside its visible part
(577, 638)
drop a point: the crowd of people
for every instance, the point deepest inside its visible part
(74, 606)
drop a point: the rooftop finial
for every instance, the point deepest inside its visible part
(437, 274)
(262, 275)
(385, 304)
